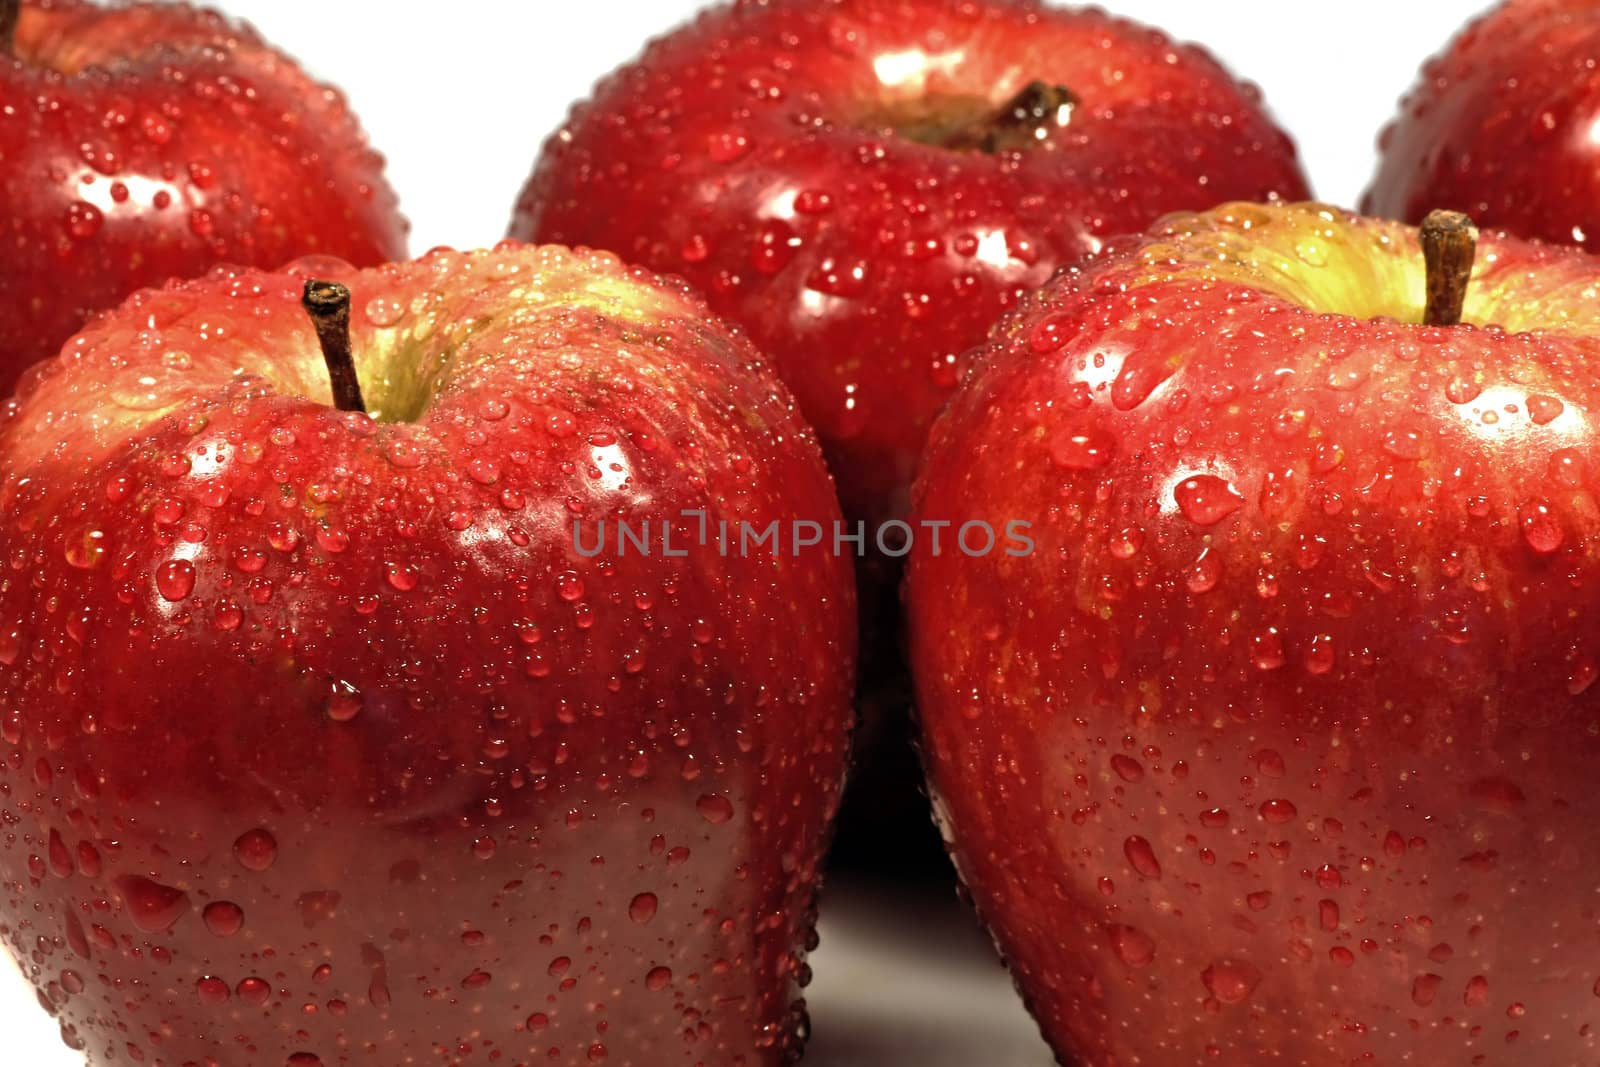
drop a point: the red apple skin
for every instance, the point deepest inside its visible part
(146, 141)
(467, 795)
(1280, 745)
(754, 152)
(1501, 125)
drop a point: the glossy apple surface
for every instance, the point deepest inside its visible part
(322, 741)
(1280, 745)
(1504, 124)
(140, 142)
(816, 170)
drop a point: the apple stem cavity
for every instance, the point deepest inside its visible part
(10, 12)
(328, 304)
(1023, 122)
(1449, 246)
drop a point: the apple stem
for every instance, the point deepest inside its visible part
(10, 12)
(1449, 246)
(328, 304)
(1022, 123)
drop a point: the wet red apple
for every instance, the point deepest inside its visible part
(865, 186)
(329, 737)
(1504, 124)
(143, 141)
(1280, 745)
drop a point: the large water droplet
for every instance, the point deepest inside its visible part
(1141, 856)
(153, 907)
(256, 850)
(175, 579)
(714, 808)
(1231, 981)
(642, 908)
(344, 701)
(223, 918)
(1205, 499)
(1082, 449)
(1541, 529)
(1132, 946)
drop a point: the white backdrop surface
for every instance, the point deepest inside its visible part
(460, 95)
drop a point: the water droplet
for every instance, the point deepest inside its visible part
(83, 220)
(1582, 675)
(1052, 333)
(223, 918)
(1544, 409)
(1312, 252)
(1132, 946)
(344, 701)
(656, 979)
(1125, 543)
(1127, 768)
(1319, 655)
(1269, 763)
(727, 146)
(283, 537)
(714, 808)
(1138, 378)
(332, 539)
(1204, 573)
(642, 908)
(1082, 449)
(175, 579)
(1403, 444)
(1277, 811)
(476, 980)
(1205, 499)
(212, 990)
(1424, 988)
(1266, 650)
(253, 991)
(1231, 981)
(153, 907)
(569, 586)
(1541, 529)
(1328, 877)
(1214, 818)
(401, 576)
(383, 311)
(256, 850)
(1141, 856)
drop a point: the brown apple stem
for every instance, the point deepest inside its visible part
(10, 12)
(1022, 123)
(1449, 245)
(328, 304)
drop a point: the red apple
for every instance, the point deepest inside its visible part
(866, 185)
(1280, 744)
(335, 739)
(144, 141)
(1505, 125)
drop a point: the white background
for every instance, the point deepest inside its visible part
(460, 95)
